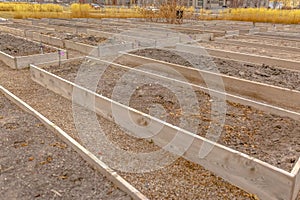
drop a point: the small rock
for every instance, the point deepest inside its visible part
(278, 126)
(291, 160)
(241, 73)
(261, 74)
(275, 139)
(9, 48)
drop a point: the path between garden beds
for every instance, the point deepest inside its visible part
(34, 163)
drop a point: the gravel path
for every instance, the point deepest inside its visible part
(16, 46)
(259, 73)
(35, 164)
(195, 182)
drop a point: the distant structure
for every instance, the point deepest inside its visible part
(208, 4)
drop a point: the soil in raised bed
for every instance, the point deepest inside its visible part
(16, 46)
(82, 38)
(246, 129)
(24, 27)
(35, 164)
(281, 34)
(253, 72)
(269, 41)
(270, 52)
(72, 25)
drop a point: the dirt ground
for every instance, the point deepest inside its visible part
(16, 46)
(260, 73)
(246, 129)
(35, 164)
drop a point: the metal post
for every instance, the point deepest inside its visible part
(42, 48)
(59, 57)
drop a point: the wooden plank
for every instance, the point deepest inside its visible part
(296, 173)
(235, 86)
(281, 63)
(239, 169)
(63, 61)
(82, 48)
(8, 60)
(24, 61)
(232, 33)
(108, 50)
(84, 153)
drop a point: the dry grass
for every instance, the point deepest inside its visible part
(26, 7)
(80, 10)
(166, 13)
(256, 15)
(26, 10)
(134, 12)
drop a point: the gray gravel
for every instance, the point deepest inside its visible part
(35, 164)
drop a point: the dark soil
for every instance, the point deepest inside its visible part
(35, 164)
(16, 46)
(71, 25)
(246, 129)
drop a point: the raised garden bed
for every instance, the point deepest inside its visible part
(17, 46)
(256, 126)
(270, 52)
(260, 73)
(81, 38)
(19, 52)
(270, 41)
